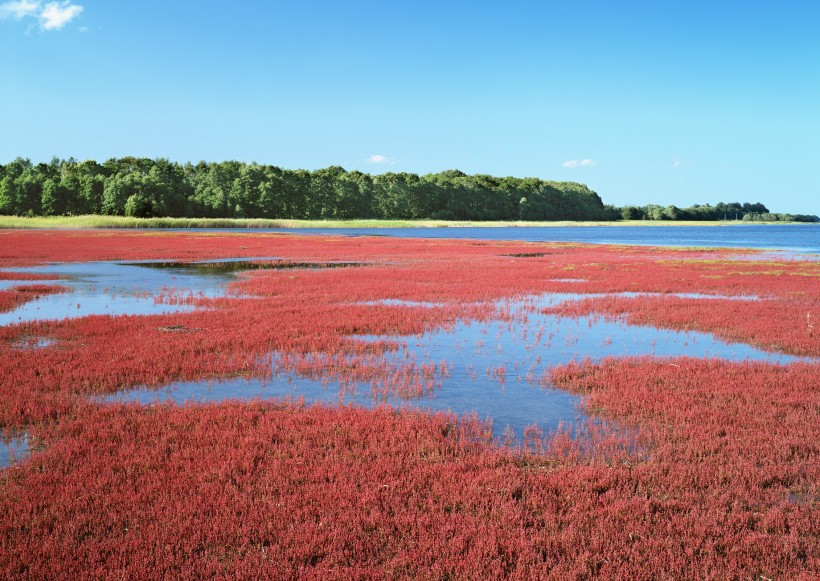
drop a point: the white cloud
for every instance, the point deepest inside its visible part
(379, 158)
(52, 16)
(55, 15)
(18, 10)
(676, 163)
(579, 163)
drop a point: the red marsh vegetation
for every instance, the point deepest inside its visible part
(700, 468)
(20, 294)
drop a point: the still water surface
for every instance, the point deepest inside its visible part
(790, 238)
(493, 369)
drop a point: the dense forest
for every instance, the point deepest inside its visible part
(720, 211)
(143, 187)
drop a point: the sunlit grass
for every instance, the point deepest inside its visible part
(95, 221)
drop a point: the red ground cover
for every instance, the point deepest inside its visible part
(723, 483)
(775, 325)
(12, 275)
(716, 478)
(17, 295)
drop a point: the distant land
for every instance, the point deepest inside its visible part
(158, 188)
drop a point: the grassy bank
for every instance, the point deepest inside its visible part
(95, 221)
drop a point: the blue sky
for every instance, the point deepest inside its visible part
(669, 103)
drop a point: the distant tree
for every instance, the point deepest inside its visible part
(396, 196)
(671, 213)
(354, 195)
(138, 206)
(159, 187)
(631, 213)
(28, 190)
(50, 200)
(523, 206)
(7, 205)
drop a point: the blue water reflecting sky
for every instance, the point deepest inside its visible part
(792, 238)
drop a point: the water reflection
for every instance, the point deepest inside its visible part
(137, 287)
(13, 448)
(790, 239)
(112, 288)
(225, 266)
(494, 369)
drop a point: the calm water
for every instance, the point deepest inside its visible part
(13, 448)
(791, 238)
(133, 288)
(111, 288)
(492, 369)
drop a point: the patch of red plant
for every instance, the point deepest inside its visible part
(718, 477)
(12, 275)
(733, 455)
(312, 317)
(17, 295)
(775, 325)
(312, 333)
(728, 488)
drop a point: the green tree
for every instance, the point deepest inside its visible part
(631, 213)
(138, 206)
(50, 198)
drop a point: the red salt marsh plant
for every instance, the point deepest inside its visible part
(728, 489)
(18, 295)
(717, 477)
(775, 325)
(738, 442)
(312, 334)
(13, 275)
(303, 313)
(446, 269)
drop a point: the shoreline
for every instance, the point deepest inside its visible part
(104, 222)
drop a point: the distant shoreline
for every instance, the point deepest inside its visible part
(95, 221)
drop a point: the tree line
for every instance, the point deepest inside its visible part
(143, 187)
(146, 187)
(721, 211)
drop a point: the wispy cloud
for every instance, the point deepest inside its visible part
(676, 164)
(55, 15)
(579, 163)
(379, 158)
(18, 10)
(52, 15)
